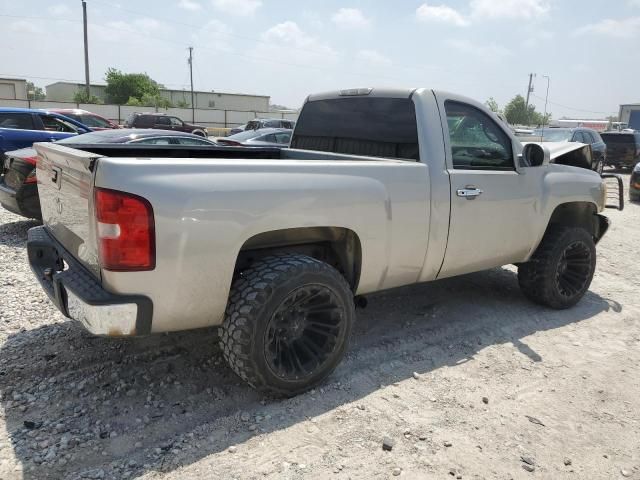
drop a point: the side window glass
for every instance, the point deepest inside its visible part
(477, 142)
(191, 141)
(176, 122)
(578, 137)
(153, 141)
(21, 121)
(283, 138)
(53, 124)
(163, 121)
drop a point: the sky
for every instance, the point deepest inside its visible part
(288, 49)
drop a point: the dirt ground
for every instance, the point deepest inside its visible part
(465, 377)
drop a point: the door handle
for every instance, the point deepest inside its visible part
(469, 192)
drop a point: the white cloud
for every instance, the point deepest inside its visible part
(536, 38)
(120, 31)
(442, 14)
(59, 10)
(509, 8)
(634, 3)
(289, 33)
(489, 52)
(23, 26)
(373, 58)
(350, 18)
(237, 7)
(215, 35)
(189, 5)
(625, 28)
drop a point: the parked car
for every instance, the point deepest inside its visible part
(21, 127)
(623, 148)
(163, 122)
(274, 252)
(634, 184)
(587, 136)
(91, 120)
(260, 123)
(18, 186)
(265, 137)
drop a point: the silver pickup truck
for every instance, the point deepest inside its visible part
(380, 188)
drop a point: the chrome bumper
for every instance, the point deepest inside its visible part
(80, 296)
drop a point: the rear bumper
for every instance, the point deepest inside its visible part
(23, 201)
(80, 296)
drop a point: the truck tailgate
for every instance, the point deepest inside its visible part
(65, 187)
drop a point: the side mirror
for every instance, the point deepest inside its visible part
(536, 155)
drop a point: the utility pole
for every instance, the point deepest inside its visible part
(529, 90)
(546, 100)
(86, 49)
(193, 106)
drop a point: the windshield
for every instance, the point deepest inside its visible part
(553, 134)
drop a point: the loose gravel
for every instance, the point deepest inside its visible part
(441, 381)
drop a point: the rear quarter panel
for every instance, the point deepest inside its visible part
(206, 210)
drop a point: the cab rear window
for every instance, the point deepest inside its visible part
(371, 126)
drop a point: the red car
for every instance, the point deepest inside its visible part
(91, 120)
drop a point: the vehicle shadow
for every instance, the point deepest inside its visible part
(14, 234)
(78, 406)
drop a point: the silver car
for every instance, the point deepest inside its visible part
(265, 137)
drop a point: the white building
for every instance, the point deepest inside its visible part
(64, 92)
(13, 89)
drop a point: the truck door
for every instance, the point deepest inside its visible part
(492, 204)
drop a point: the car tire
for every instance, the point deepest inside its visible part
(287, 323)
(561, 269)
(200, 133)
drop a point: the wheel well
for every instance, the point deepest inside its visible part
(339, 247)
(578, 214)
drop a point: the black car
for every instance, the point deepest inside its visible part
(581, 135)
(163, 122)
(623, 148)
(18, 185)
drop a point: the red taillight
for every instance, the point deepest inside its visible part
(125, 231)
(29, 160)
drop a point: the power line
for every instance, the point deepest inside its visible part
(570, 108)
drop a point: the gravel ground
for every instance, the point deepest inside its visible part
(461, 378)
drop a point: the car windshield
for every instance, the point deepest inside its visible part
(553, 134)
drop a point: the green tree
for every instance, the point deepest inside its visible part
(149, 101)
(493, 105)
(123, 86)
(38, 93)
(517, 113)
(81, 96)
